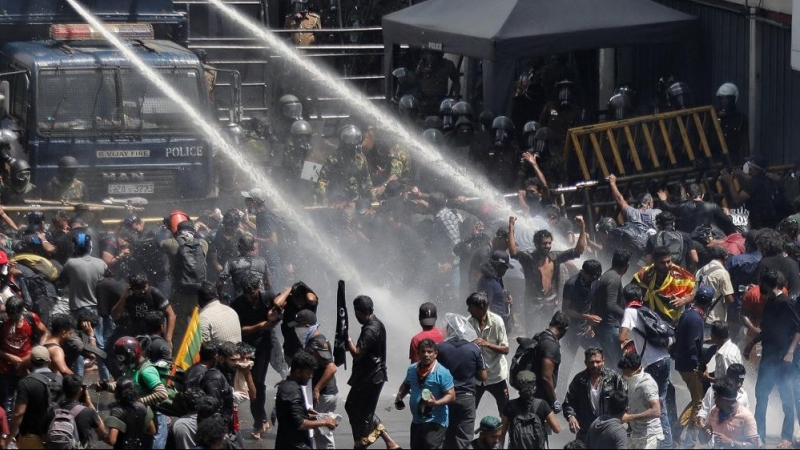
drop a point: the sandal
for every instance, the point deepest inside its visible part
(784, 444)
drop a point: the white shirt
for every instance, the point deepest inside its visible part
(719, 279)
(708, 402)
(642, 390)
(726, 356)
(652, 354)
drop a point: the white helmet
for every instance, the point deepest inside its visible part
(728, 90)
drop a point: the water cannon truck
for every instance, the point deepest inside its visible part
(66, 91)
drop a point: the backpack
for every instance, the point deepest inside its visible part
(63, 432)
(41, 295)
(657, 332)
(673, 240)
(38, 264)
(189, 266)
(172, 378)
(526, 430)
(55, 390)
(629, 236)
(524, 358)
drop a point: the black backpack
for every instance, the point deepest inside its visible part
(524, 358)
(190, 264)
(41, 294)
(673, 240)
(525, 429)
(657, 332)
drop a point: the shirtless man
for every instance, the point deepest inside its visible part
(63, 328)
(541, 267)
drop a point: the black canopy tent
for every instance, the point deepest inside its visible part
(500, 32)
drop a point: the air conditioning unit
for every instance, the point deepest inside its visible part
(796, 34)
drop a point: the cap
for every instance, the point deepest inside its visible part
(40, 354)
(525, 377)
(501, 258)
(427, 314)
(704, 294)
(256, 194)
(321, 346)
(303, 317)
(489, 423)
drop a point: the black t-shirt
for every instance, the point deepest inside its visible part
(689, 244)
(159, 349)
(291, 410)
(109, 291)
(86, 421)
(578, 294)
(33, 393)
(291, 344)
(518, 406)
(131, 422)
(193, 375)
(788, 267)
(371, 368)
(250, 315)
(216, 383)
(137, 307)
(321, 347)
(224, 246)
(783, 322)
(608, 300)
(548, 348)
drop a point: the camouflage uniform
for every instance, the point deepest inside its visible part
(349, 175)
(311, 21)
(74, 193)
(11, 197)
(397, 163)
(210, 74)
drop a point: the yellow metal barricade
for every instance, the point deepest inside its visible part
(686, 138)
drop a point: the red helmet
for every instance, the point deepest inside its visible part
(175, 217)
(127, 350)
(3, 257)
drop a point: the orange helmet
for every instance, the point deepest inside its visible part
(174, 218)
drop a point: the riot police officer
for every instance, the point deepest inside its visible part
(499, 159)
(548, 157)
(18, 184)
(733, 123)
(291, 110)
(388, 160)
(298, 149)
(64, 186)
(446, 113)
(433, 74)
(302, 19)
(463, 127)
(678, 95)
(209, 72)
(620, 106)
(563, 114)
(408, 108)
(347, 170)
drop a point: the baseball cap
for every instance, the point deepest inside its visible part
(256, 194)
(427, 314)
(304, 317)
(501, 257)
(40, 354)
(704, 294)
(321, 346)
(489, 423)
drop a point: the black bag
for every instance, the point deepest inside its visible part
(524, 358)
(190, 265)
(42, 296)
(657, 332)
(525, 429)
(673, 240)
(629, 236)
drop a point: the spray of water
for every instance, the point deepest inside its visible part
(216, 138)
(425, 153)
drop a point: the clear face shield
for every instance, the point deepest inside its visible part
(21, 179)
(501, 137)
(292, 111)
(302, 142)
(565, 96)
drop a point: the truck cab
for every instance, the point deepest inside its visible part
(75, 94)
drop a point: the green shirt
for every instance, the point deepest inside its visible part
(146, 379)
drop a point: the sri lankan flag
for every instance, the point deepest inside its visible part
(679, 282)
(189, 351)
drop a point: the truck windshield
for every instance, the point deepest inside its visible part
(111, 101)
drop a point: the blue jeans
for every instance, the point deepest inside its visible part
(659, 370)
(772, 371)
(160, 439)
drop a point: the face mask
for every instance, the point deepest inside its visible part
(4, 270)
(303, 333)
(633, 378)
(746, 168)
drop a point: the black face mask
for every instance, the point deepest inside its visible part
(727, 105)
(21, 179)
(463, 136)
(565, 97)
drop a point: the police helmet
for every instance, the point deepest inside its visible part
(502, 129)
(20, 165)
(446, 107)
(433, 137)
(434, 122)
(626, 88)
(299, 6)
(301, 128)
(291, 106)
(486, 118)
(619, 106)
(728, 90)
(67, 162)
(351, 135)
(408, 103)
(462, 109)
(531, 128)
(678, 95)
